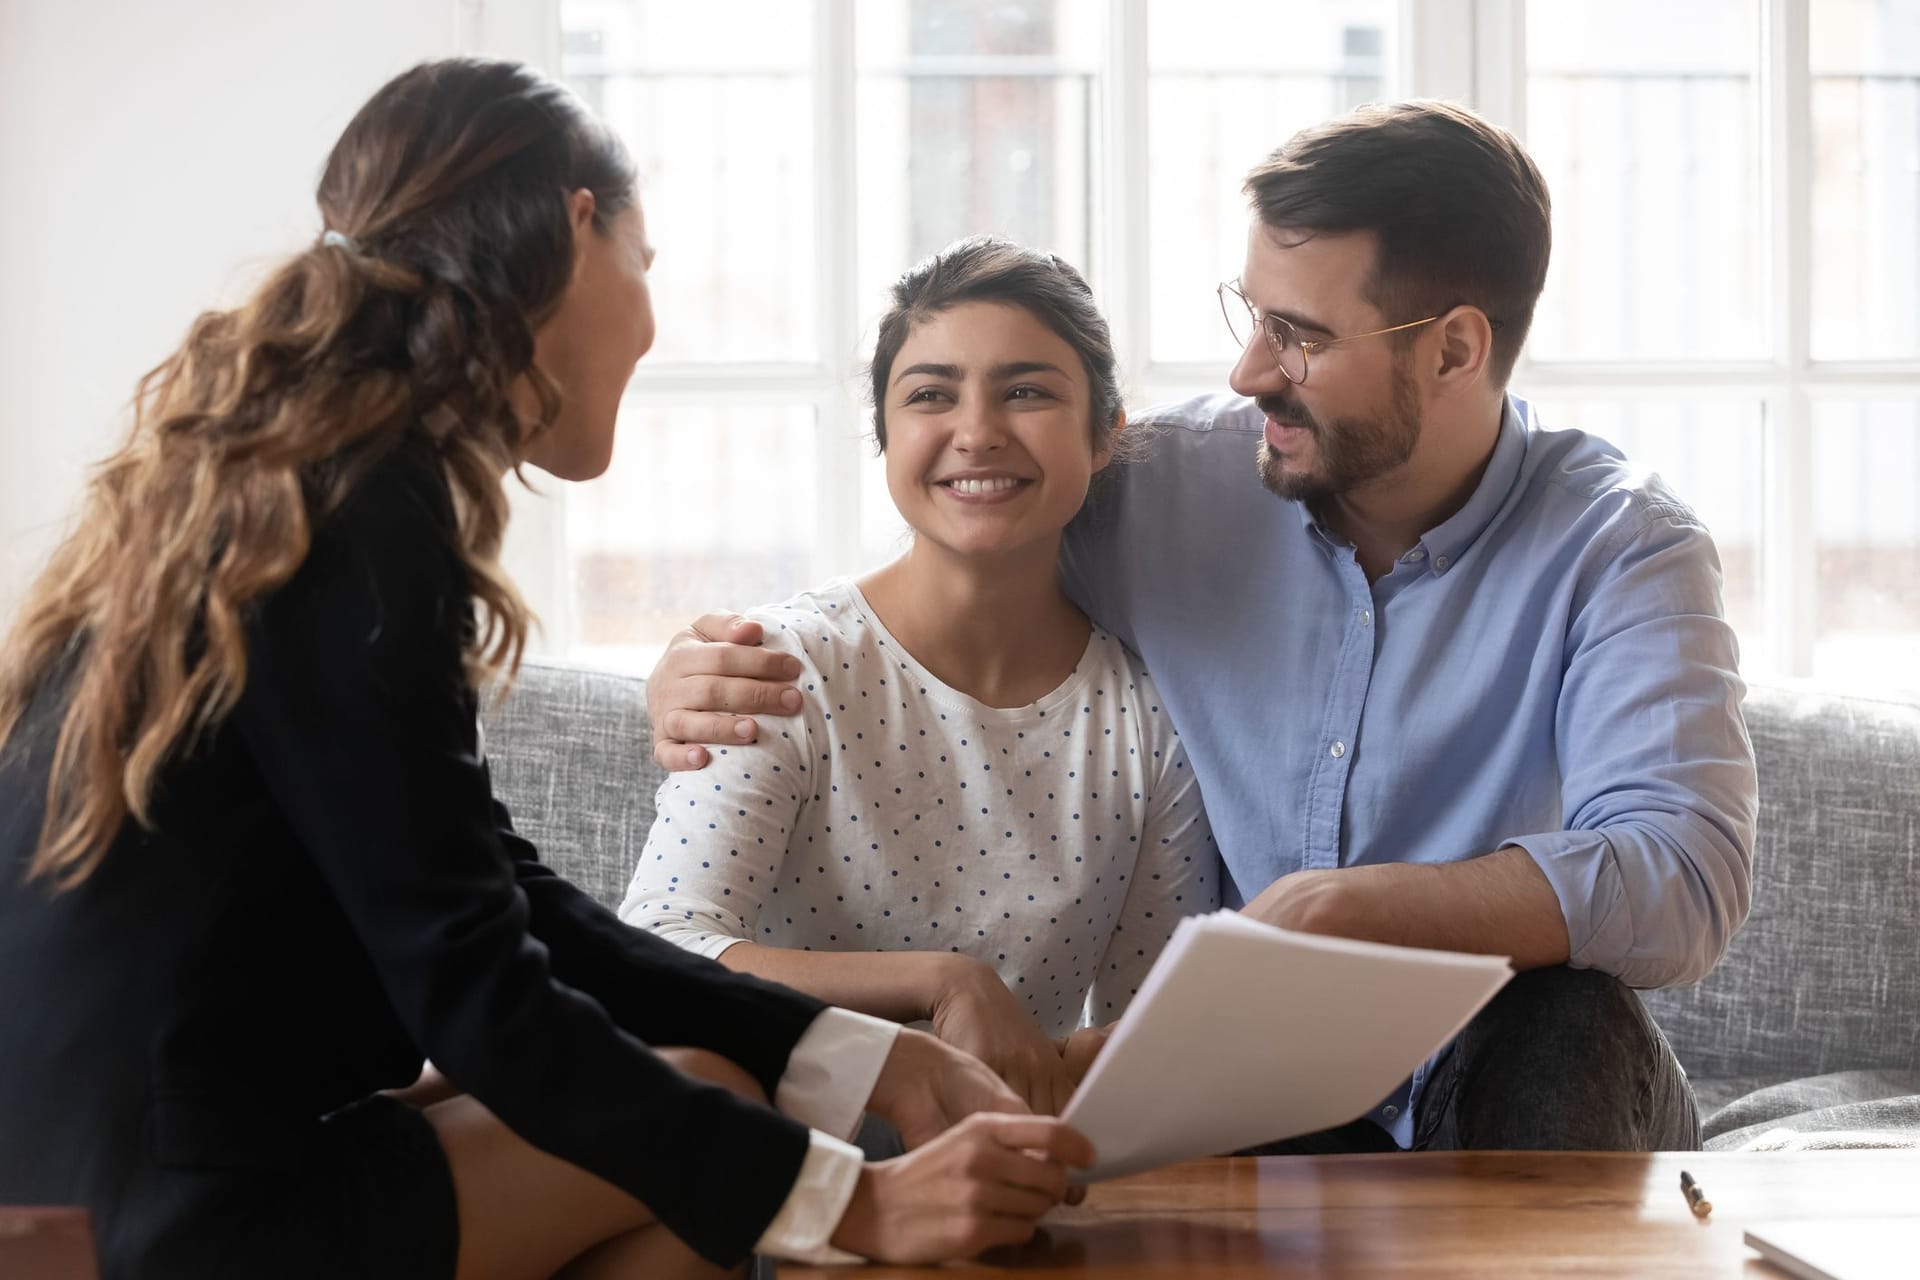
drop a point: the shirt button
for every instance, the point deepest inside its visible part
(1440, 562)
(1390, 1112)
(1337, 750)
(1366, 616)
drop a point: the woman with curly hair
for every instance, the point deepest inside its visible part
(251, 869)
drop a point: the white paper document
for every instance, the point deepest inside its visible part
(1244, 1033)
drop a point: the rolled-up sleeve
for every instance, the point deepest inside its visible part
(1653, 869)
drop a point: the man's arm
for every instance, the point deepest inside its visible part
(1499, 904)
(1650, 876)
(1653, 864)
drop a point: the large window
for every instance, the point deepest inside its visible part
(1732, 299)
(1735, 296)
(797, 156)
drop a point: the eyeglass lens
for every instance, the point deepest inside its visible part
(1282, 340)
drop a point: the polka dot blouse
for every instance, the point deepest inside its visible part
(1059, 842)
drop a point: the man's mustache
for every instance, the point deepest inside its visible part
(1288, 410)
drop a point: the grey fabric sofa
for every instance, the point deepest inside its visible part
(1808, 1034)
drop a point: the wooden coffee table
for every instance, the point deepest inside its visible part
(1472, 1214)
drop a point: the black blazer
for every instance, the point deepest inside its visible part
(331, 893)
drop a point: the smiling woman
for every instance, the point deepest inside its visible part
(989, 450)
(982, 817)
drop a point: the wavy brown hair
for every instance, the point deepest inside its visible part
(448, 243)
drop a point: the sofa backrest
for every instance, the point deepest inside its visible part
(572, 757)
(1825, 976)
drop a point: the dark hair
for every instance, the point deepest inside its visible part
(989, 269)
(449, 242)
(1460, 210)
(458, 172)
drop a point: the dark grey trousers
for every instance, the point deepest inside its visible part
(1560, 1060)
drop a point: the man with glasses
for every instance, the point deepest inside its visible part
(1466, 685)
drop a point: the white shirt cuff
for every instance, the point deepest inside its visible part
(832, 1069)
(806, 1222)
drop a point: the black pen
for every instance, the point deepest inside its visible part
(1696, 1198)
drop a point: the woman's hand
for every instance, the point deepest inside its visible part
(983, 1183)
(1078, 1050)
(974, 1011)
(926, 1087)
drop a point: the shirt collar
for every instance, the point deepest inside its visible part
(1446, 542)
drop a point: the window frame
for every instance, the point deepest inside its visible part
(1788, 382)
(1468, 50)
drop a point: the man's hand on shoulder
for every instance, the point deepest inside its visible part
(709, 683)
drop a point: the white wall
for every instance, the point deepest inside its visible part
(154, 155)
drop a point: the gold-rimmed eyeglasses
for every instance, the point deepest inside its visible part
(1284, 343)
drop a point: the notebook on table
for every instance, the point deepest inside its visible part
(1840, 1248)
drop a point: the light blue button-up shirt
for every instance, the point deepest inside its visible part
(1548, 668)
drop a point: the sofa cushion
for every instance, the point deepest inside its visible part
(1844, 1109)
(1825, 976)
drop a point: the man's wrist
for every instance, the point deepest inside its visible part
(1315, 901)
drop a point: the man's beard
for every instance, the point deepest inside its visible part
(1349, 451)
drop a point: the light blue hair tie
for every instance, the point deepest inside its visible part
(339, 240)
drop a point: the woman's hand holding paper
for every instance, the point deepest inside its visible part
(983, 1183)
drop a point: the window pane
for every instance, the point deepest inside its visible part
(1643, 118)
(1866, 201)
(973, 119)
(716, 103)
(1709, 453)
(1229, 81)
(702, 508)
(1867, 524)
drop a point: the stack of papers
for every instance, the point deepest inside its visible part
(1244, 1033)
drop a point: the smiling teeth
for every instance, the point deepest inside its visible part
(998, 484)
